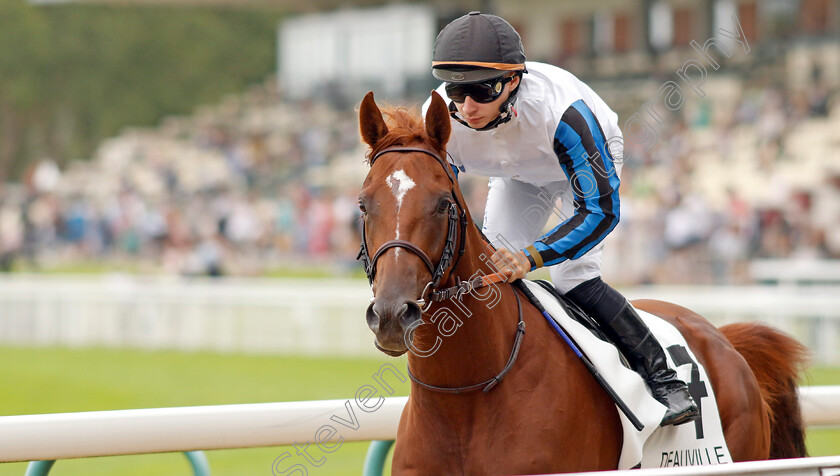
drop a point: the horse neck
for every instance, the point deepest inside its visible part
(463, 342)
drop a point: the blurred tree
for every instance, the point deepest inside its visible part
(72, 75)
(23, 49)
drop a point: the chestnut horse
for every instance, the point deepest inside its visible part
(546, 413)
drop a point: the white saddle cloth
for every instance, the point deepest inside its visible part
(690, 444)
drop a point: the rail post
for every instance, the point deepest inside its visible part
(39, 468)
(376, 457)
(198, 463)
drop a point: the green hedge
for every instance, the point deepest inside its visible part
(73, 74)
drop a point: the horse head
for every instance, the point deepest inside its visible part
(411, 206)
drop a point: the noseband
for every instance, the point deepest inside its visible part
(457, 216)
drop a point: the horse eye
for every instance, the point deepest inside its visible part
(362, 207)
(444, 206)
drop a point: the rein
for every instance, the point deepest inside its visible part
(457, 216)
(488, 384)
(465, 287)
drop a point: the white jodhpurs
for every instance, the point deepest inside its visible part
(516, 215)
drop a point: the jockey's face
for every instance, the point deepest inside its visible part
(477, 114)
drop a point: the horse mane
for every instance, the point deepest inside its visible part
(404, 128)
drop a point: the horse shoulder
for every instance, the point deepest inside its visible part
(424, 443)
(556, 395)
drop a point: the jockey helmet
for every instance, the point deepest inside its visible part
(477, 47)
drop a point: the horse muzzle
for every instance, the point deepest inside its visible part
(390, 321)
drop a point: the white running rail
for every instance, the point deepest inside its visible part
(159, 430)
(319, 317)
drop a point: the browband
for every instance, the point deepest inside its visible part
(437, 156)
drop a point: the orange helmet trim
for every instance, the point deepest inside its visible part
(478, 64)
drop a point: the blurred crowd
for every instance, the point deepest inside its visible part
(259, 183)
(246, 187)
(753, 177)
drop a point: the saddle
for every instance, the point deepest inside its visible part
(575, 312)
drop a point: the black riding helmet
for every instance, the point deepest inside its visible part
(472, 54)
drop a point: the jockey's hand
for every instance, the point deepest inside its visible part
(511, 264)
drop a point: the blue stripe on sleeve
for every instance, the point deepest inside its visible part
(583, 156)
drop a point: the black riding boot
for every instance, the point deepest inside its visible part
(619, 321)
(647, 357)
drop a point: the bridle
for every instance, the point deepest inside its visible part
(457, 218)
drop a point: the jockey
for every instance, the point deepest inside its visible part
(541, 134)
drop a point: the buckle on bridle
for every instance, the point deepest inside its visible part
(424, 303)
(464, 287)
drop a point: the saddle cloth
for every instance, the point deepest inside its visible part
(691, 444)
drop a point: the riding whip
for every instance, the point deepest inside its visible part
(598, 377)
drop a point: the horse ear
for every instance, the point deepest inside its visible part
(437, 120)
(371, 123)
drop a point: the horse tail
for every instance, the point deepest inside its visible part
(776, 360)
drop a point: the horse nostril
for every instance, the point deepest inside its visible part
(372, 318)
(380, 314)
(411, 313)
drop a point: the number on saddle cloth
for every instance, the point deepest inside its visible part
(578, 314)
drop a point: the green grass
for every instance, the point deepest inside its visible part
(822, 376)
(86, 267)
(135, 267)
(53, 380)
(823, 442)
(49, 380)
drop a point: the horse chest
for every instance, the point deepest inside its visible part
(528, 433)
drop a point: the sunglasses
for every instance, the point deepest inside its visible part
(481, 92)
